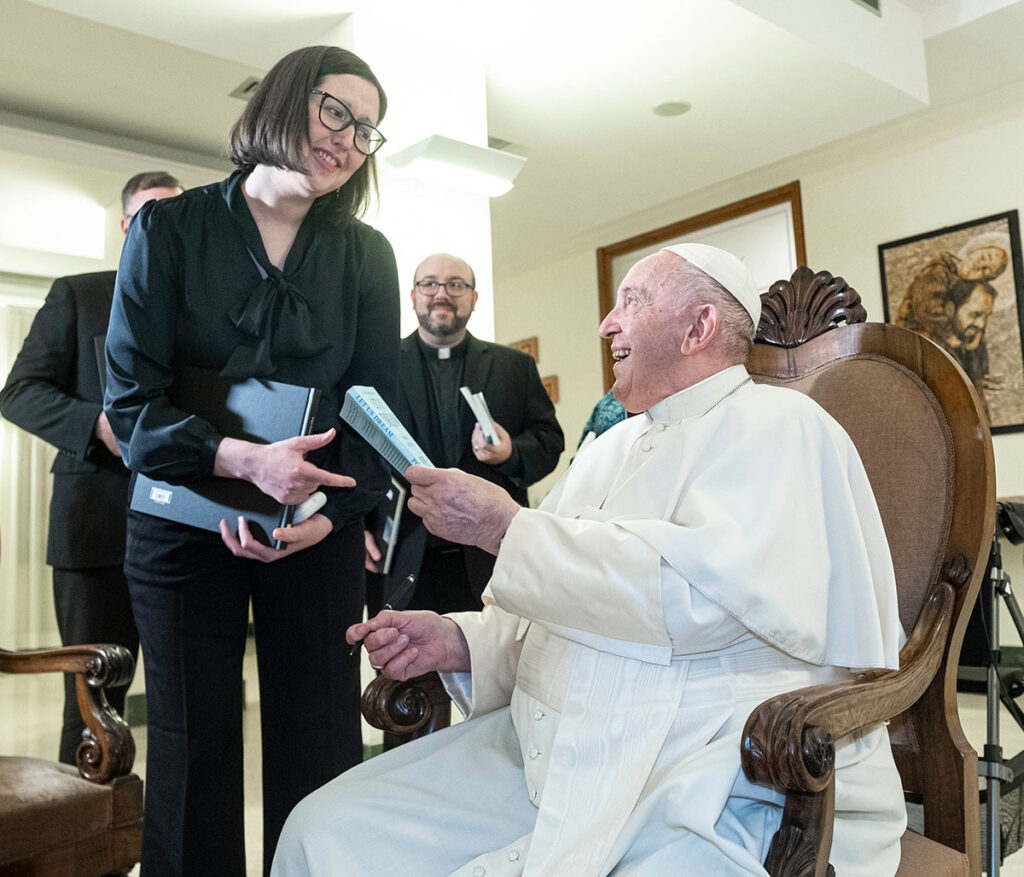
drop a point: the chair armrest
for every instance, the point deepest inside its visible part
(414, 708)
(105, 666)
(107, 749)
(789, 740)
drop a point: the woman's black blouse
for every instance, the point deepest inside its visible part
(190, 291)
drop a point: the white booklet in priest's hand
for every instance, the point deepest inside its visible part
(478, 405)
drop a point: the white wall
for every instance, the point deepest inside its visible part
(443, 95)
(934, 169)
(558, 303)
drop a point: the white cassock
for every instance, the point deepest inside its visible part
(696, 560)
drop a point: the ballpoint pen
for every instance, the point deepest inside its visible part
(397, 597)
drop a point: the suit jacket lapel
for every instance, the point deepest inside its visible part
(414, 389)
(478, 363)
(475, 375)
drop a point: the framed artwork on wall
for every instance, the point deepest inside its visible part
(551, 387)
(765, 230)
(961, 287)
(529, 346)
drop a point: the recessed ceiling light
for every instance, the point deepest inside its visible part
(672, 108)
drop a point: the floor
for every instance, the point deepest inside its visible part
(30, 724)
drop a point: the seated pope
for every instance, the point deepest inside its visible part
(720, 548)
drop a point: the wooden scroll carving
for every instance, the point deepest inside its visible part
(107, 749)
(792, 854)
(794, 311)
(413, 708)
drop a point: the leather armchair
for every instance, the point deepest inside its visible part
(57, 820)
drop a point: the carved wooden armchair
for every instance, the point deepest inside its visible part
(922, 434)
(918, 425)
(56, 820)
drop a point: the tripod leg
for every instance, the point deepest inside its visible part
(993, 760)
(1013, 606)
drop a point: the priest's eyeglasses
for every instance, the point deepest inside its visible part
(454, 288)
(335, 115)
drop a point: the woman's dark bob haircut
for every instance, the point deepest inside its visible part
(274, 128)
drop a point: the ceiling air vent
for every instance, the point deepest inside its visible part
(874, 5)
(247, 88)
(507, 146)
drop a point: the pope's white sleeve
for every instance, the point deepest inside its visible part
(495, 640)
(601, 584)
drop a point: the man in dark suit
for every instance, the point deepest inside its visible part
(55, 392)
(438, 359)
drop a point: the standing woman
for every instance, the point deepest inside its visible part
(267, 274)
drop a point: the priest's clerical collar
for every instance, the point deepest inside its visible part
(459, 350)
(701, 397)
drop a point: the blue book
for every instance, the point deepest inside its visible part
(369, 415)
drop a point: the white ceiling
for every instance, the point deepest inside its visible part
(570, 85)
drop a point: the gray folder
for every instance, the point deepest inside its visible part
(255, 410)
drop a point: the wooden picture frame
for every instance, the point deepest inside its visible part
(551, 387)
(766, 230)
(962, 286)
(528, 345)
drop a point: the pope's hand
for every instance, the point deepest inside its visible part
(460, 507)
(403, 645)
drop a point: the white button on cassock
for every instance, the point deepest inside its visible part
(479, 871)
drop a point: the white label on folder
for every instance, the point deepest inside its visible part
(160, 495)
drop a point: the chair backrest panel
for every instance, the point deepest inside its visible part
(906, 447)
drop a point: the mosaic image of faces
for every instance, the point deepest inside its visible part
(958, 289)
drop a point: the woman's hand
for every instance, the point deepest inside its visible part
(280, 469)
(244, 544)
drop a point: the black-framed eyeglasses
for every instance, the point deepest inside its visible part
(455, 288)
(335, 115)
